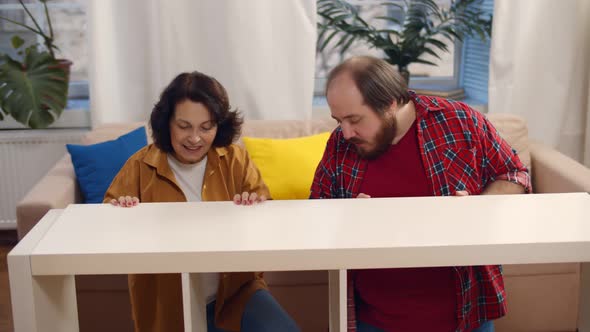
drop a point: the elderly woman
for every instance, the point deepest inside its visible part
(193, 159)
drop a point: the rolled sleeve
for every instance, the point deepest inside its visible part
(501, 161)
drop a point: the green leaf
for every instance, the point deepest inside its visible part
(390, 19)
(34, 92)
(327, 40)
(393, 4)
(440, 45)
(346, 45)
(425, 62)
(17, 42)
(431, 52)
(339, 18)
(389, 31)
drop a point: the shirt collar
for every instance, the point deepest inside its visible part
(158, 159)
(425, 104)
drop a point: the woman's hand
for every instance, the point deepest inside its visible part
(125, 201)
(248, 198)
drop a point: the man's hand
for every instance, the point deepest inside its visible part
(361, 195)
(501, 187)
(248, 198)
(125, 201)
(498, 187)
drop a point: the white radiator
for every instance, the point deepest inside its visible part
(25, 156)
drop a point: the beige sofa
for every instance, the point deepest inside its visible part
(541, 297)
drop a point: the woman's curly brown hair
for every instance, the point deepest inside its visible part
(199, 88)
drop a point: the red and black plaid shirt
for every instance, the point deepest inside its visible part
(461, 150)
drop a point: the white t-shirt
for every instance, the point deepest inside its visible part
(190, 179)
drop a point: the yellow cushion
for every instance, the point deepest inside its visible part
(287, 165)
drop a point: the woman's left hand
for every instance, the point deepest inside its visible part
(248, 198)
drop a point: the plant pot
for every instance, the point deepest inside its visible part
(402, 70)
(405, 74)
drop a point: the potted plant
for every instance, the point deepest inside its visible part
(422, 28)
(34, 85)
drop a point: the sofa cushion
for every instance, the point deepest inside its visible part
(287, 128)
(251, 128)
(546, 302)
(511, 127)
(287, 165)
(511, 270)
(97, 165)
(514, 130)
(110, 131)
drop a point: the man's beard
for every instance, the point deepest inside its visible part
(382, 140)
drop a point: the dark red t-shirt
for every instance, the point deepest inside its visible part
(410, 299)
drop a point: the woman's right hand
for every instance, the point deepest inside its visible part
(125, 201)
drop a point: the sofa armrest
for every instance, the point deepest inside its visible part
(554, 172)
(56, 190)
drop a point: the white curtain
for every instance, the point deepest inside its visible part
(540, 69)
(262, 51)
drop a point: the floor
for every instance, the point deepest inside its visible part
(7, 242)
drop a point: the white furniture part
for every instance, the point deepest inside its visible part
(334, 235)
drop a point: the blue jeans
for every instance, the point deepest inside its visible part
(262, 314)
(485, 327)
(364, 327)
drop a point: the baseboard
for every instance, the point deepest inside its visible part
(7, 224)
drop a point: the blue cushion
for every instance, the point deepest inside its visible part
(97, 165)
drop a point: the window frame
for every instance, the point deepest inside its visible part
(73, 116)
(443, 82)
(77, 89)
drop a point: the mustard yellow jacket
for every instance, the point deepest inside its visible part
(156, 299)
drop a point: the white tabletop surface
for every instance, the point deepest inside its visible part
(316, 234)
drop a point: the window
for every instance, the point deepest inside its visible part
(444, 74)
(69, 21)
(475, 64)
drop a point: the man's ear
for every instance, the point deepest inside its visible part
(391, 110)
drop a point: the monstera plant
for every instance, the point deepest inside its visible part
(423, 28)
(34, 85)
